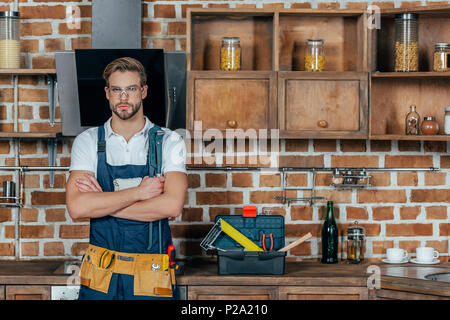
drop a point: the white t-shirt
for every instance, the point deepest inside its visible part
(119, 152)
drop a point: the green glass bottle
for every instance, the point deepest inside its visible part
(330, 237)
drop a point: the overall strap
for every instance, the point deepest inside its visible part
(155, 137)
(101, 159)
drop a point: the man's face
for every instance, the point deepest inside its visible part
(125, 94)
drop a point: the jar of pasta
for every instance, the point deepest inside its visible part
(440, 56)
(230, 54)
(314, 55)
(9, 39)
(406, 42)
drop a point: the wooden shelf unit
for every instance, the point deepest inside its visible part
(392, 93)
(27, 71)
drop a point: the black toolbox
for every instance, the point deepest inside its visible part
(233, 259)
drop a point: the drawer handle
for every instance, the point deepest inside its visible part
(322, 123)
(232, 123)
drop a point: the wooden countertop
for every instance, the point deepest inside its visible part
(407, 277)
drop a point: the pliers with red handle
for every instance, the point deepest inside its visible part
(264, 242)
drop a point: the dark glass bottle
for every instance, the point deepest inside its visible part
(330, 237)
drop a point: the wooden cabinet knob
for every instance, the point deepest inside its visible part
(232, 123)
(322, 123)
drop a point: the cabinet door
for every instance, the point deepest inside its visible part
(232, 293)
(231, 100)
(384, 294)
(2, 292)
(328, 105)
(323, 293)
(27, 293)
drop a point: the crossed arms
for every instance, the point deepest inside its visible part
(153, 199)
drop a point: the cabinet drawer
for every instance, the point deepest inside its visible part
(323, 293)
(327, 106)
(27, 293)
(235, 100)
(232, 293)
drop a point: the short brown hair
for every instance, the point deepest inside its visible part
(125, 64)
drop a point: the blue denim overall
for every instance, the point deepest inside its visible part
(125, 235)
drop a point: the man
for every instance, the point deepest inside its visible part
(129, 178)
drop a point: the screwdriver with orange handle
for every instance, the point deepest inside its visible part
(172, 264)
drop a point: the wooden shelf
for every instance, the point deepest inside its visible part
(428, 74)
(27, 71)
(441, 137)
(29, 134)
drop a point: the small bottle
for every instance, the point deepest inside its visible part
(330, 237)
(230, 54)
(447, 120)
(429, 126)
(412, 121)
(314, 55)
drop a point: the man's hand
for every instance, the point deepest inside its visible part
(90, 184)
(150, 187)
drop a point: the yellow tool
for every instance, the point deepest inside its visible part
(222, 225)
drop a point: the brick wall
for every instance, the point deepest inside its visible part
(407, 209)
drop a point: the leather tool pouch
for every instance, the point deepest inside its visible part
(93, 276)
(148, 282)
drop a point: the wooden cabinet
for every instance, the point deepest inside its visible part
(232, 293)
(323, 293)
(28, 292)
(385, 294)
(272, 89)
(325, 105)
(392, 93)
(2, 292)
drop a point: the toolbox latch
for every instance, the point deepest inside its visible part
(249, 211)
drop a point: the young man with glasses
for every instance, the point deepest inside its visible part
(128, 176)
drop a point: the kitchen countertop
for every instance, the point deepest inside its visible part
(406, 277)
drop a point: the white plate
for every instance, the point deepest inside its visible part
(435, 261)
(392, 262)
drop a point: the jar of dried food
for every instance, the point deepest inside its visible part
(440, 56)
(9, 39)
(314, 55)
(230, 54)
(406, 42)
(429, 126)
(447, 120)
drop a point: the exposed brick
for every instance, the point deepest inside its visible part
(35, 29)
(164, 11)
(268, 196)
(193, 180)
(297, 180)
(380, 247)
(269, 180)
(380, 179)
(409, 146)
(444, 229)
(445, 162)
(301, 161)
(383, 196)
(51, 45)
(296, 145)
(304, 249)
(274, 211)
(298, 230)
(353, 145)
(85, 28)
(303, 5)
(7, 249)
(190, 248)
(325, 145)
(29, 214)
(243, 180)
(33, 232)
(81, 43)
(407, 178)
(409, 230)
(380, 145)
(166, 44)
(408, 161)
(43, 62)
(5, 215)
(55, 215)
(48, 198)
(74, 231)
(214, 211)
(383, 213)
(29, 46)
(176, 28)
(355, 213)
(430, 195)
(437, 212)
(184, 8)
(354, 161)
(410, 245)
(10, 232)
(372, 229)
(435, 178)
(218, 198)
(79, 248)
(190, 231)
(30, 249)
(192, 214)
(409, 213)
(435, 146)
(218, 180)
(53, 249)
(338, 196)
(42, 12)
(440, 246)
(409, 4)
(301, 212)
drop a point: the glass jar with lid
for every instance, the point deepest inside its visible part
(356, 243)
(447, 120)
(314, 55)
(406, 42)
(429, 126)
(9, 39)
(440, 56)
(230, 54)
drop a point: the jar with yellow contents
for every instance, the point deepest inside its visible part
(314, 55)
(230, 54)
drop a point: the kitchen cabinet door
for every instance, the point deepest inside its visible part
(2, 292)
(323, 105)
(323, 293)
(231, 100)
(27, 293)
(232, 293)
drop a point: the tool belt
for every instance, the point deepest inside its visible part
(152, 275)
